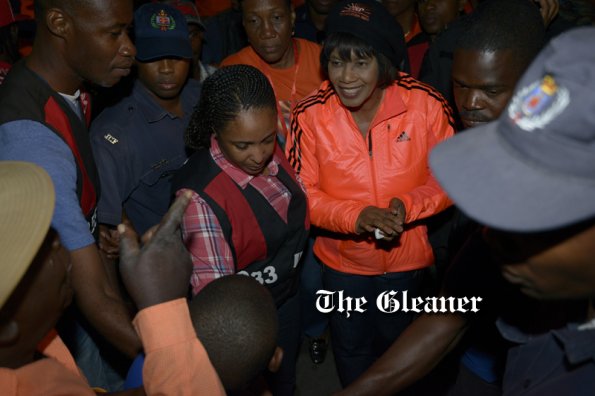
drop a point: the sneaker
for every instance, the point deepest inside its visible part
(318, 348)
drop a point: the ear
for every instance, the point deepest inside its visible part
(276, 360)
(58, 22)
(292, 17)
(9, 332)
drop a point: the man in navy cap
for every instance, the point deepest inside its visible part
(138, 143)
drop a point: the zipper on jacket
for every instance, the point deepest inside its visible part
(370, 143)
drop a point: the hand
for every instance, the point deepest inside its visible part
(385, 219)
(109, 241)
(398, 208)
(549, 9)
(160, 270)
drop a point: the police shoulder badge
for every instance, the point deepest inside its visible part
(537, 104)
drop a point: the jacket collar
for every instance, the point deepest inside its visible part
(391, 106)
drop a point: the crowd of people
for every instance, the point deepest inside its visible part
(179, 179)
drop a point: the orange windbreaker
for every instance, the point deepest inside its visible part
(344, 173)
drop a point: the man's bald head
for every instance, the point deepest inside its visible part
(69, 6)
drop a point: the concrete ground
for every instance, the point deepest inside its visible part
(316, 379)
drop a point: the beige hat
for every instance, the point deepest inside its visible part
(26, 207)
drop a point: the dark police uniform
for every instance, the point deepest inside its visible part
(138, 145)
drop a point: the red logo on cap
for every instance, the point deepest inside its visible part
(357, 10)
(162, 21)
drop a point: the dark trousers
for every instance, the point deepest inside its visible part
(358, 340)
(283, 382)
(314, 323)
(469, 384)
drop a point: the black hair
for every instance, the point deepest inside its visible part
(287, 3)
(504, 25)
(235, 318)
(224, 95)
(347, 44)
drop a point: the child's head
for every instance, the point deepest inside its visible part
(236, 320)
(239, 108)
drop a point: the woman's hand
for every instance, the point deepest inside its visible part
(388, 220)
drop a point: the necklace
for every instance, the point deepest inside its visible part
(296, 65)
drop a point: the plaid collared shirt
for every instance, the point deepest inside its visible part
(203, 236)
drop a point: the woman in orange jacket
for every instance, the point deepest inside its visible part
(360, 144)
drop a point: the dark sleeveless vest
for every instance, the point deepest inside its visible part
(263, 246)
(26, 96)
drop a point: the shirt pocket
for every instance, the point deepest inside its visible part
(161, 170)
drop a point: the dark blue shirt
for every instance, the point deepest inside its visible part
(558, 362)
(540, 366)
(137, 146)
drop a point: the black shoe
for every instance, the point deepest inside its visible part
(318, 348)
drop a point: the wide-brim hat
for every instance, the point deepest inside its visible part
(26, 206)
(533, 169)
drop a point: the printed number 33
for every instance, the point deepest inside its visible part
(267, 276)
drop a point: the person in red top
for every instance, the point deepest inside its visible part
(35, 288)
(291, 65)
(360, 144)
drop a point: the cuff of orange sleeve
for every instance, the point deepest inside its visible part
(163, 325)
(408, 203)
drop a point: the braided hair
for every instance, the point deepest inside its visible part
(226, 93)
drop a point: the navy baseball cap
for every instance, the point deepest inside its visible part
(369, 21)
(533, 169)
(160, 31)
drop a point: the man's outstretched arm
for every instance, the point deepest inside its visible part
(412, 356)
